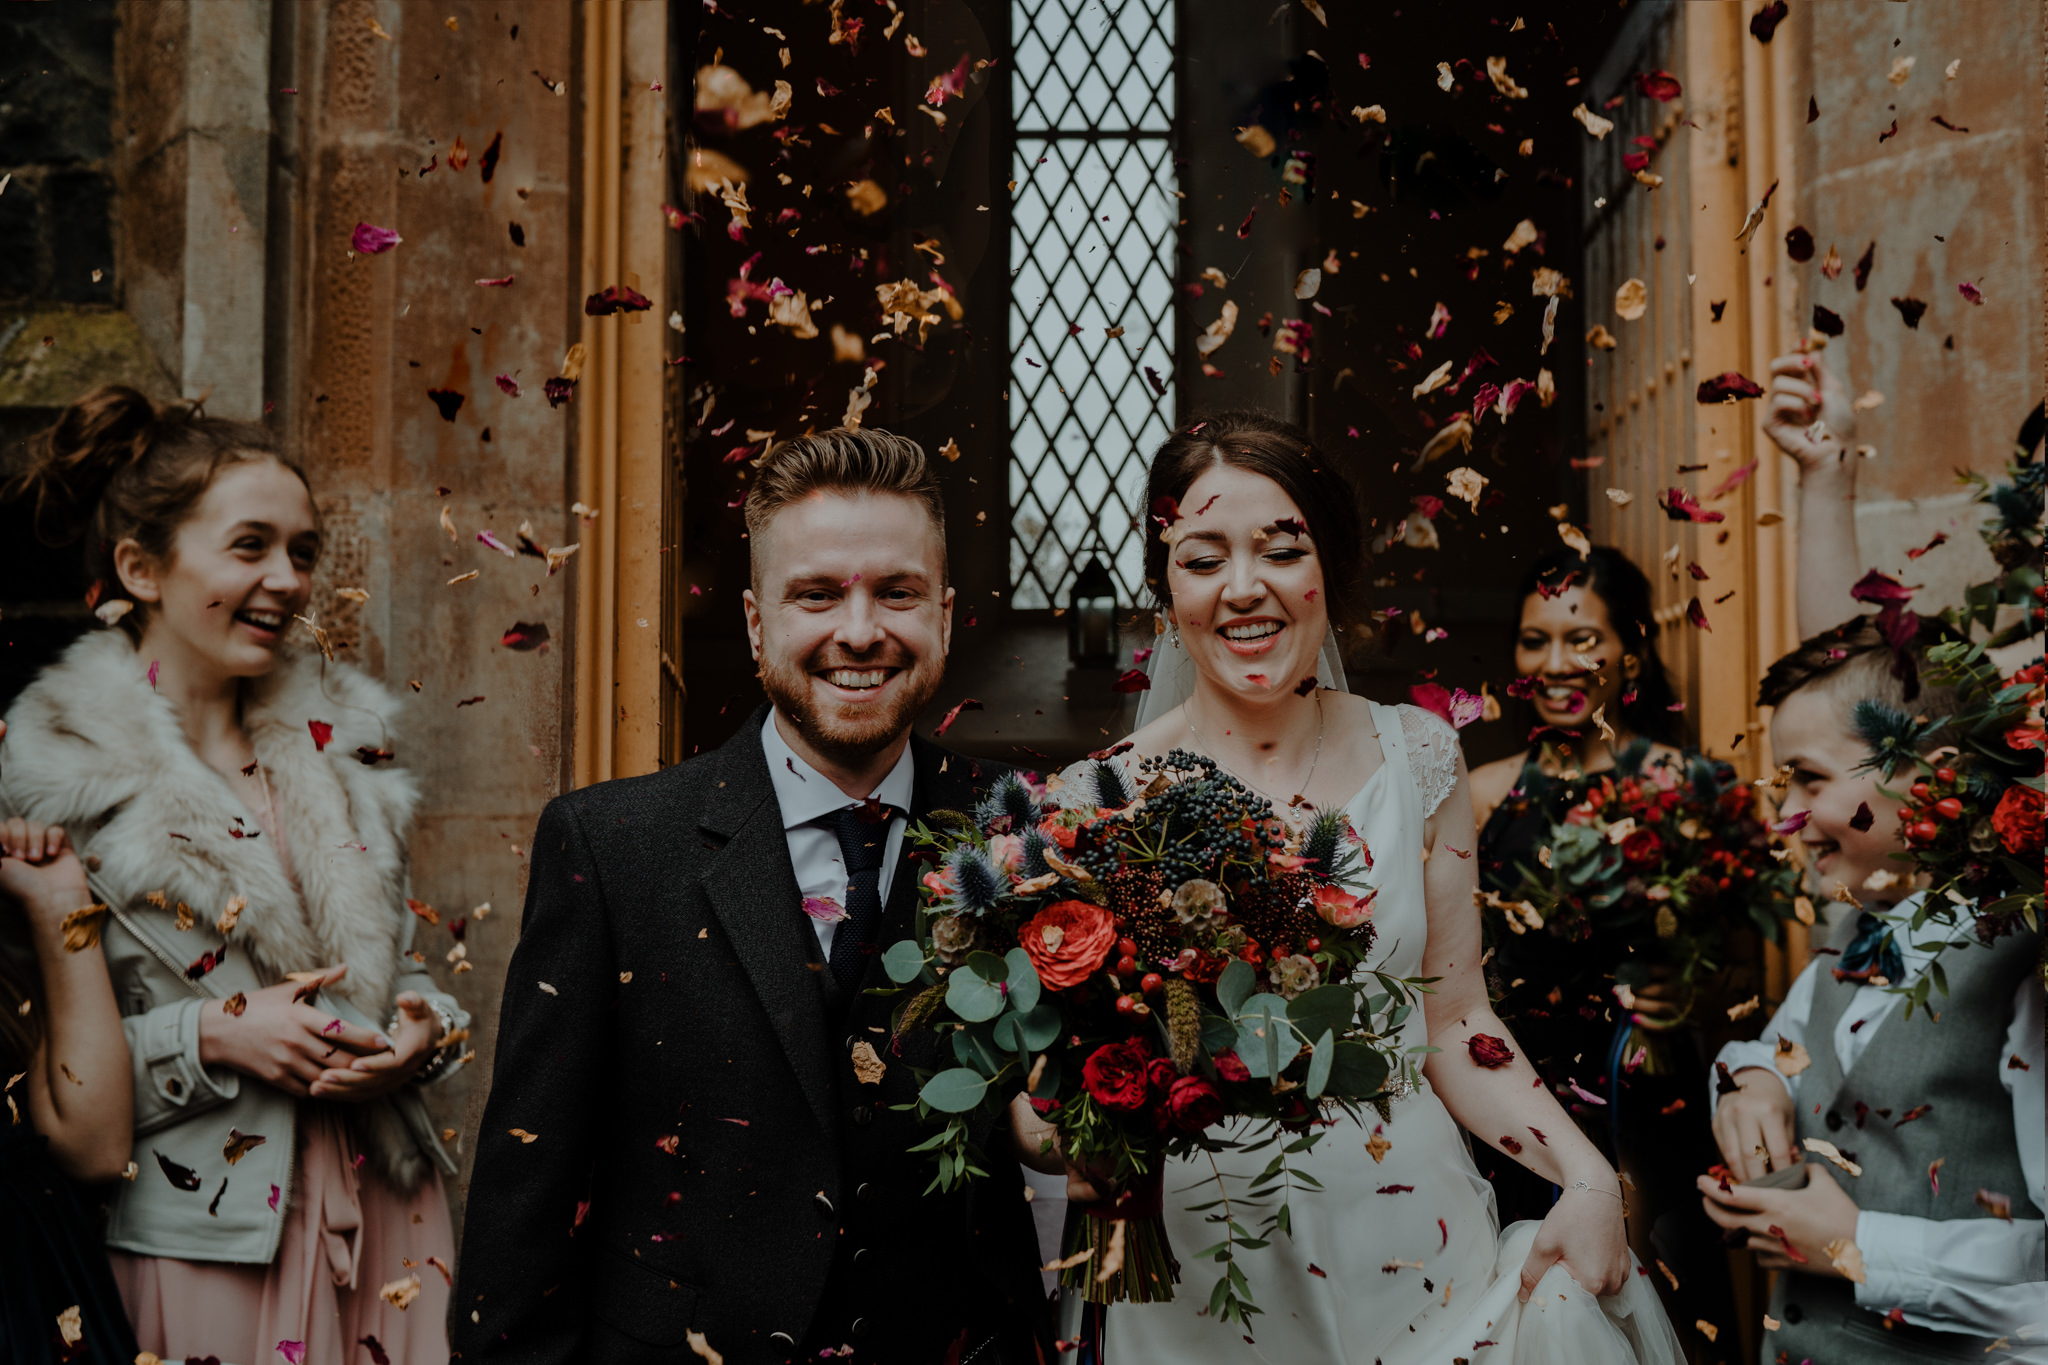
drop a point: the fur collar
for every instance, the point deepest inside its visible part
(92, 746)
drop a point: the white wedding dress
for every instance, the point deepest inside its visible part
(1398, 1260)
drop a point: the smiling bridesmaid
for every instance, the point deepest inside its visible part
(240, 820)
(1586, 657)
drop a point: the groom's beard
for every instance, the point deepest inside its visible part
(843, 733)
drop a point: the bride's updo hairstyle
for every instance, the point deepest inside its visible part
(117, 466)
(1260, 443)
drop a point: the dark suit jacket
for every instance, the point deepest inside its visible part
(676, 1140)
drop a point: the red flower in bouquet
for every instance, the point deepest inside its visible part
(1117, 1075)
(2018, 819)
(1194, 1104)
(1642, 848)
(1160, 1074)
(1231, 1067)
(1341, 908)
(1067, 941)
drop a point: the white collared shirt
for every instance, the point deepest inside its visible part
(807, 796)
(1977, 1275)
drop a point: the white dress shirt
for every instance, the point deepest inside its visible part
(1976, 1275)
(807, 796)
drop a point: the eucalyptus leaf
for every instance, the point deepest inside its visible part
(970, 996)
(1357, 1070)
(1261, 1027)
(1218, 1033)
(1025, 986)
(1325, 1009)
(978, 1047)
(1319, 1064)
(955, 1091)
(988, 966)
(1236, 985)
(904, 962)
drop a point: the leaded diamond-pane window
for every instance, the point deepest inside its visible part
(1091, 250)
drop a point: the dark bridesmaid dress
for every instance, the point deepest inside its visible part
(52, 1261)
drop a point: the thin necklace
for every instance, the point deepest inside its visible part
(1188, 715)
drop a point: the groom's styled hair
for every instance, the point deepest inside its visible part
(846, 460)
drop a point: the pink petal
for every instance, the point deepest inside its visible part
(369, 240)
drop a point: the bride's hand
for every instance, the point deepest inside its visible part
(1585, 1231)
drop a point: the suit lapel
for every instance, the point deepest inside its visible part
(753, 890)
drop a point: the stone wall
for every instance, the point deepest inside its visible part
(1943, 206)
(56, 147)
(371, 136)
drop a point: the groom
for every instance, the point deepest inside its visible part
(692, 1140)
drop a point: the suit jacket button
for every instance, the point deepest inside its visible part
(865, 1193)
(1794, 1313)
(824, 1204)
(863, 1115)
(1834, 1121)
(860, 1257)
(860, 1327)
(782, 1339)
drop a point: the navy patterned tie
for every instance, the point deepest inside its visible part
(863, 839)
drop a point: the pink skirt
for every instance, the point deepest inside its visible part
(347, 1235)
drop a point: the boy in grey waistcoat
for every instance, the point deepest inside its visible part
(1941, 1115)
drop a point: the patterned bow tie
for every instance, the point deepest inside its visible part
(1872, 953)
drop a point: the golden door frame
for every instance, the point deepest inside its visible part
(626, 712)
(1737, 94)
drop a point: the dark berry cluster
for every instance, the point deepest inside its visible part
(1211, 822)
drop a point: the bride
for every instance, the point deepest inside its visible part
(1255, 553)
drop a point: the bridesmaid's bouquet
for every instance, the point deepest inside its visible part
(1662, 860)
(1150, 964)
(1971, 811)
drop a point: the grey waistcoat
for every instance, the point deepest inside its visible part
(1945, 1061)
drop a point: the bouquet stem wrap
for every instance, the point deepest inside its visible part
(1128, 1237)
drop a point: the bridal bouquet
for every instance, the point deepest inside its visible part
(1150, 966)
(1661, 861)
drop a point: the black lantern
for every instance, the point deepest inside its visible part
(1091, 614)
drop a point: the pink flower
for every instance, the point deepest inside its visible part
(371, 241)
(1008, 851)
(1343, 909)
(292, 1351)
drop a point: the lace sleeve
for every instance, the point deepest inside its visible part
(1432, 756)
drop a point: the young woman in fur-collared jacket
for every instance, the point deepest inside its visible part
(241, 817)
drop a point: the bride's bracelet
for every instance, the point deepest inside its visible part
(1588, 1185)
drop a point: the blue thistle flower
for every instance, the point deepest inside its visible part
(977, 882)
(1010, 796)
(1035, 844)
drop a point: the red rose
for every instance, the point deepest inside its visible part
(1160, 1074)
(1231, 1067)
(1193, 1104)
(1206, 969)
(2018, 819)
(1059, 834)
(1067, 942)
(1116, 1076)
(1489, 1051)
(1642, 848)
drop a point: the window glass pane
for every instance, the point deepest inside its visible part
(1091, 248)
